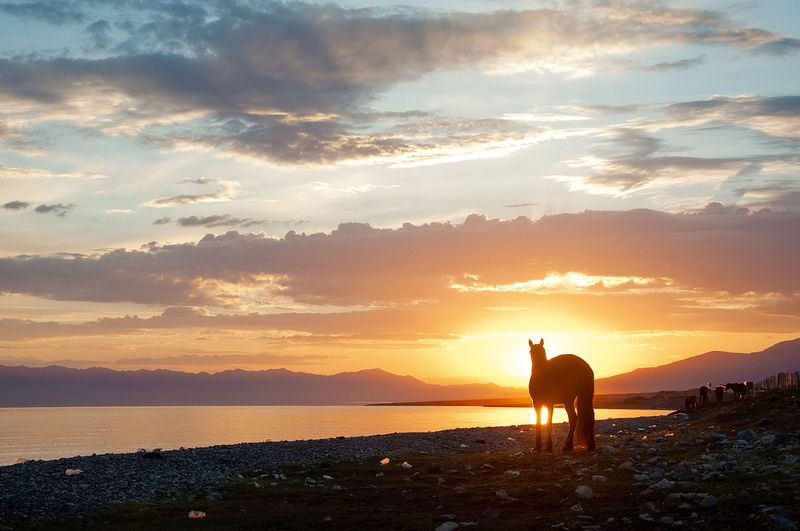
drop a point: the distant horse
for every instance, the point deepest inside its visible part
(691, 404)
(565, 379)
(719, 393)
(703, 396)
(750, 388)
(739, 390)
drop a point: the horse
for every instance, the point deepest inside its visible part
(750, 387)
(739, 390)
(691, 404)
(703, 396)
(719, 393)
(565, 379)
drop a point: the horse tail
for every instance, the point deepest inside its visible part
(584, 431)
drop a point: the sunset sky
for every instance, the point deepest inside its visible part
(416, 187)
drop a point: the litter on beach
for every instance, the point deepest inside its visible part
(73, 471)
(196, 514)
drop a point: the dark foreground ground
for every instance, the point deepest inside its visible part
(730, 467)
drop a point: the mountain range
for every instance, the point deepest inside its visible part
(61, 386)
(712, 367)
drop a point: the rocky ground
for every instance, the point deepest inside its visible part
(727, 467)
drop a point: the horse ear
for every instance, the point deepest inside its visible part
(541, 341)
(530, 343)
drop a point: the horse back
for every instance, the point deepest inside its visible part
(563, 378)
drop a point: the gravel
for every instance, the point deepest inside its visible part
(36, 491)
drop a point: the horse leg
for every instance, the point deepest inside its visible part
(549, 447)
(538, 447)
(573, 421)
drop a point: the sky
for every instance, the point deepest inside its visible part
(418, 187)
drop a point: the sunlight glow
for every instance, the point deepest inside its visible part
(535, 418)
(568, 282)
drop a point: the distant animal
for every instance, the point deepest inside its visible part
(691, 404)
(750, 387)
(703, 396)
(719, 393)
(739, 390)
(568, 380)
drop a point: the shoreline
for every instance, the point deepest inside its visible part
(36, 491)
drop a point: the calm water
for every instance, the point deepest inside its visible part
(49, 433)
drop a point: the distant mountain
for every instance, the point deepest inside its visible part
(61, 386)
(715, 367)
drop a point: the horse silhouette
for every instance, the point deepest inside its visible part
(739, 390)
(703, 395)
(691, 404)
(719, 393)
(565, 379)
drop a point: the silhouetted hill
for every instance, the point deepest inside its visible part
(61, 386)
(715, 367)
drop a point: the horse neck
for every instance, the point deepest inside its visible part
(538, 364)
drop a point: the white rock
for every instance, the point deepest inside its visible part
(585, 492)
(196, 514)
(512, 473)
(503, 495)
(599, 478)
(406, 464)
(379, 475)
(627, 465)
(577, 508)
(73, 471)
(448, 526)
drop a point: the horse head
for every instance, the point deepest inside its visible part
(537, 351)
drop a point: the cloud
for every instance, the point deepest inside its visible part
(226, 191)
(777, 116)
(16, 205)
(99, 34)
(571, 282)
(628, 160)
(217, 221)
(22, 139)
(226, 220)
(681, 64)
(290, 83)
(9, 172)
(58, 209)
(357, 264)
(57, 13)
(779, 196)
(162, 221)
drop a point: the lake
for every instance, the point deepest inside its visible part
(54, 432)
